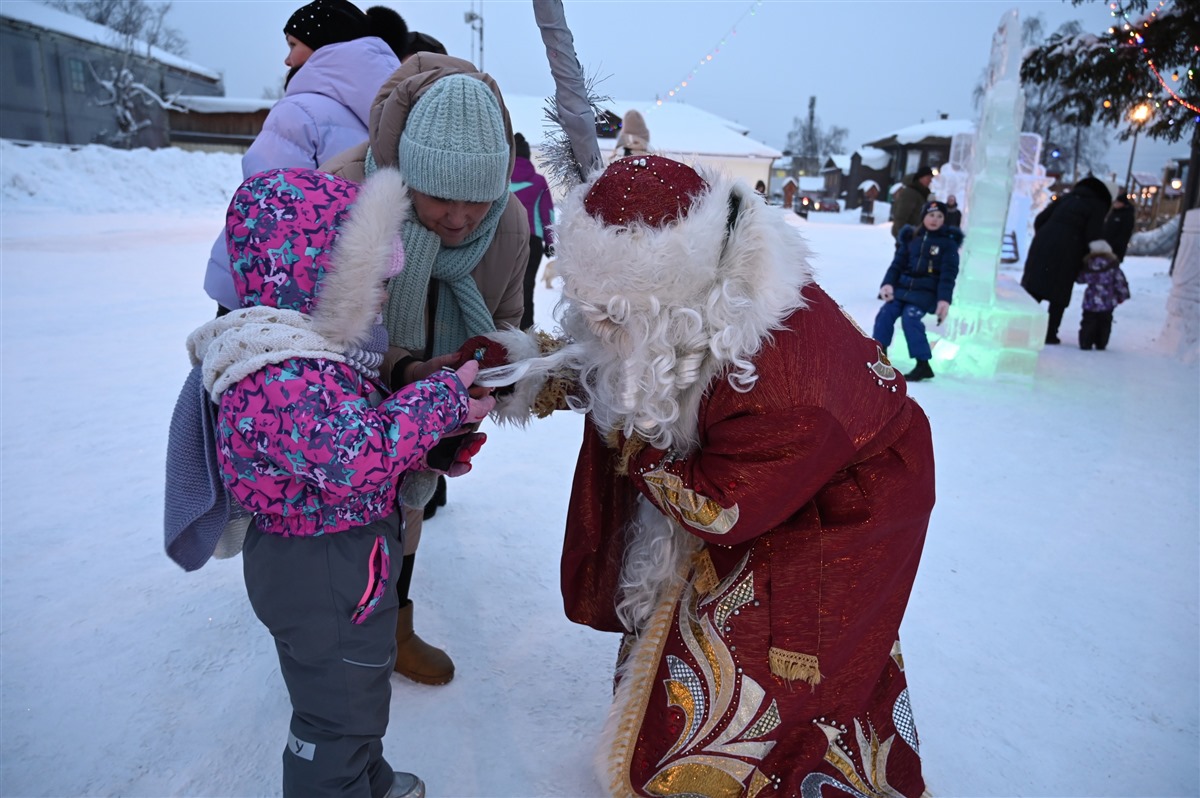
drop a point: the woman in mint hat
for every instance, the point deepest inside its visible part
(444, 125)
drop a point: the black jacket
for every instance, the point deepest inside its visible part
(1118, 229)
(1060, 240)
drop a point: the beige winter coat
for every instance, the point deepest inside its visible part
(501, 271)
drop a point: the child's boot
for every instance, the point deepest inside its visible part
(1103, 330)
(1087, 331)
(406, 785)
(416, 659)
(921, 372)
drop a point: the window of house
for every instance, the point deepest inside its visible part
(76, 75)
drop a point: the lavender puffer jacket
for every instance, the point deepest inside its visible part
(309, 444)
(325, 111)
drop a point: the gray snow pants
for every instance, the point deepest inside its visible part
(306, 591)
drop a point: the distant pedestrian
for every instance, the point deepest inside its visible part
(533, 192)
(953, 212)
(910, 199)
(1107, 287)
(634, 138)
(919, 281)
(1062, 232)
(760, 188)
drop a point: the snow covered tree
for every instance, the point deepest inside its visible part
(1148, 54)
(133, 20)
(138, 28)
(128, 98)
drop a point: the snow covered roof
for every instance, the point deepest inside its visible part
(840, 162)
(940, 128)
(44, 16)
(201, 104)
(674, 128)
(873, 158)
(808, 184)
(1147, 179)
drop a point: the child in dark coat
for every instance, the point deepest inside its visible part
(1106, 288)
(919, 281)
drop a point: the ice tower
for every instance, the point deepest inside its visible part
(993, 328)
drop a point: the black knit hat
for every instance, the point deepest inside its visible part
(924, 171)
(323, 22)
(391, 27)
(933, 205)
(521, 146)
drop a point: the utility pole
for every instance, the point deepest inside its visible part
(476, 22)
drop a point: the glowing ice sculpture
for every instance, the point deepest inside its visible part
(994, 328)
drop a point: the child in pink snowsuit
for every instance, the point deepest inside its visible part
(313, 446)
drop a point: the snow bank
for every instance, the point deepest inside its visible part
(99, 179)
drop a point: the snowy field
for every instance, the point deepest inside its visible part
(1051, 642)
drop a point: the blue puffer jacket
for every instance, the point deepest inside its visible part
(324, 112)
(925, 266)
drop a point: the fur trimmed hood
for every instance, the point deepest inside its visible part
(658, 312)
(318, 244)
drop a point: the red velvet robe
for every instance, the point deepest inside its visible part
(775, 669)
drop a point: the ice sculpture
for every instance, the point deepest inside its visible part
(994, 328)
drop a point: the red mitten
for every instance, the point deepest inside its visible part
(484, 350)
(472, 443)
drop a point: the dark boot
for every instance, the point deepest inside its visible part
(1088, 328)
(1053, 323)
(1103, 330)
(415, 658)
(921, 372)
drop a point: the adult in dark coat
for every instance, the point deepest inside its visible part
(906, 210)
(1118, 225)
(1060, 241)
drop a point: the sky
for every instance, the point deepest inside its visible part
(1051, 643)
(874, 66)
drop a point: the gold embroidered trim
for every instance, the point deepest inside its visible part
(706, 573)
(631, 447)
(555, 390)
(552, 396)
(794, 667)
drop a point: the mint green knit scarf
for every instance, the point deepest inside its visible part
(460, 310)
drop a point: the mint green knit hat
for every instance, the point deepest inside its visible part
(453, 146)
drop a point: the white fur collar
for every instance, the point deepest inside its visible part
(349, 296)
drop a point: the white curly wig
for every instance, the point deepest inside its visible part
(657, 312)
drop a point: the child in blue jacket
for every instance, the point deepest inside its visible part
(919, 281)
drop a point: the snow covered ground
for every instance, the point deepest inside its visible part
(1051, 641)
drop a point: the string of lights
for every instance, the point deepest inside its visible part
(710, 55)
(1135, 39)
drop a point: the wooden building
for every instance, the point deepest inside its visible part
(54, 62)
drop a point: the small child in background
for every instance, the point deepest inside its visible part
(310, 442)
(919, 281)
(1106, 288)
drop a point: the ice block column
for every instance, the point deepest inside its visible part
(994, 328)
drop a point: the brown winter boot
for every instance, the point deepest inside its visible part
(416, 659)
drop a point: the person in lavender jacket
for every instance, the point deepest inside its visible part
(533, 192)
(339, 56)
